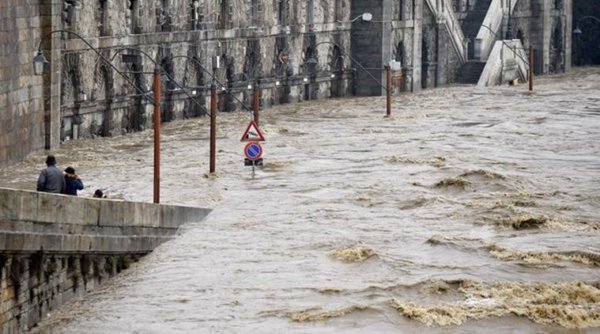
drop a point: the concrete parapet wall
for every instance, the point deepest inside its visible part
(507, 62)
(55, 247)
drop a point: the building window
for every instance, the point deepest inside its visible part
(134, 26)
(339, 10)
(256, 12)
(197, 14)
(558, 4)
(163, 19)
(102, 18)
(225, 13)
(281, 12)
(401, 10)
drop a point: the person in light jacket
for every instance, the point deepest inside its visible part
(72, 181)
(51, 179)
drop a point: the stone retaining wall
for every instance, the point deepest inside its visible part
(56, 247)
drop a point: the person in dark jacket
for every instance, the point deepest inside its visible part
(99, 194)
(51, 179)
(73, 182)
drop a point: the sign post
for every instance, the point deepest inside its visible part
(253, 150)
(252, 133)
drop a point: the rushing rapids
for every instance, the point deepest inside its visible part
(469, 210)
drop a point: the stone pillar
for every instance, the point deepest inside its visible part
(417, 44)
(386, 39)
(50, 20)
(367, 45)
(568, 36)
(547, 6)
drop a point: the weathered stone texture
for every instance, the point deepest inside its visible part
(55, 247)
(20, 103)
(84, 95)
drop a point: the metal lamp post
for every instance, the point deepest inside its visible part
(156, 87)
(367, 17)
(40, 64)
(213, 115)
(213, 104)
(256, 101)
(213, 127)
(578, 33)
(213, 107)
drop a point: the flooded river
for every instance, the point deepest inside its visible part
(470, 210)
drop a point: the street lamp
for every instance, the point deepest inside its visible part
(367, 17)
(213, 109)
(156, 86)
(213, 105)
(40, 65)
(132, 58)
(578, 33)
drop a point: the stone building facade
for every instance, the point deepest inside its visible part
(99, 78)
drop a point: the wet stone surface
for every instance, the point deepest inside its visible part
(469, 210)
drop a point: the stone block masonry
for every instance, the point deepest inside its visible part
(56, 247)
(258, 42)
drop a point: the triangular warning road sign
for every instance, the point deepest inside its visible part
(252, 133)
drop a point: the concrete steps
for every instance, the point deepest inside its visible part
(472, 23)
(471, 71)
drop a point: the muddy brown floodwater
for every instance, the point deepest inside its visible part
(471, 210)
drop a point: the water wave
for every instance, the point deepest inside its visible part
(570, 305)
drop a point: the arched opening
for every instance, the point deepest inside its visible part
(134, 24)
(400, 57)
(194, 82)
(197, 14)
(163, 16)
(282, 71)
(102, 20)
(309, 70)
(556, 50)
(169, 86)
(520, 36)
(104, 94)
(226, 99)
(252, 67)
(225, 12)
(69, 98)
(137, 117)
(339, 10)
(336, 66)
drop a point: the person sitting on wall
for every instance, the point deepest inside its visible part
(73, 182)
(51, 179)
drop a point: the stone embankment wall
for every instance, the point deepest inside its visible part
(102, 55)
(56, 247)
(21, 109)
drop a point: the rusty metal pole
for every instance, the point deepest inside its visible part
(531, 68)
(157, 134)
(213, 127)
(388, 88)
(256, 102)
